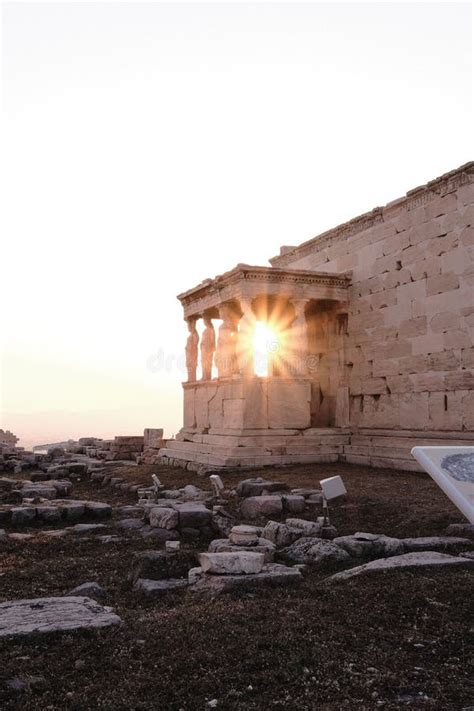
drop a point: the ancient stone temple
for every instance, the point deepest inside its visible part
(371, 346)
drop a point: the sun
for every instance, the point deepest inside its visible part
(265, 344)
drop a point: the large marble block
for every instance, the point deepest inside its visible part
(289, 403)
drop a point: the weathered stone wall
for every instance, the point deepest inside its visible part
(408, 355)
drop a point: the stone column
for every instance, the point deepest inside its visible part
(226, 343)
(298, 347)
(192, 345)
(245, 354)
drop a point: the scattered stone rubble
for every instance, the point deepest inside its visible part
(241, 557)
(15, 491)
(262, 498)
(143, 448)
(52, 512)
(152, 442)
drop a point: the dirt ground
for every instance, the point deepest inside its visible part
(399, 641)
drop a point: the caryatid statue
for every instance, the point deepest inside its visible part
(226, 342)
(208, 346)
(192, 345)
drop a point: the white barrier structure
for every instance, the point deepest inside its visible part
(452, 468)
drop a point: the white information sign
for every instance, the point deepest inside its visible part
(452, 468)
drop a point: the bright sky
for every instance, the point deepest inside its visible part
(150, 146)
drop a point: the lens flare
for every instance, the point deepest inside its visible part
(265, 344)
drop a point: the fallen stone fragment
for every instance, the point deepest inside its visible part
(192, 493)
(306, 492)
(280, 534)
(45, 615)
(309, 528)
(244, 535)
(407, 561)
(20, 537)
(190, 534)
(22, 515)
(256, 486)
(72, 511)
(237, 563)
(370, 544)
(194, 575)
(156, 588)
(164, 518)
(81, 528)
(7, 484)
(221, 522)
(328, 532)
(224, 545)
(270, 575)
(3, 534)
(293, 503)
(158, 535)
(130, 524)
(92, 589)
(62, 487)
(171, 494)
(436, 543)
(193, 515)
(129, 510)
(314, 500)
(256, 506)
(76, 469)
(97, 509)
(38, 491)
(48, 514)
(315, 551)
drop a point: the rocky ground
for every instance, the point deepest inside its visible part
(385, 642)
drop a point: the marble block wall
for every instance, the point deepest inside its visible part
(409, 355)
(248, 403)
